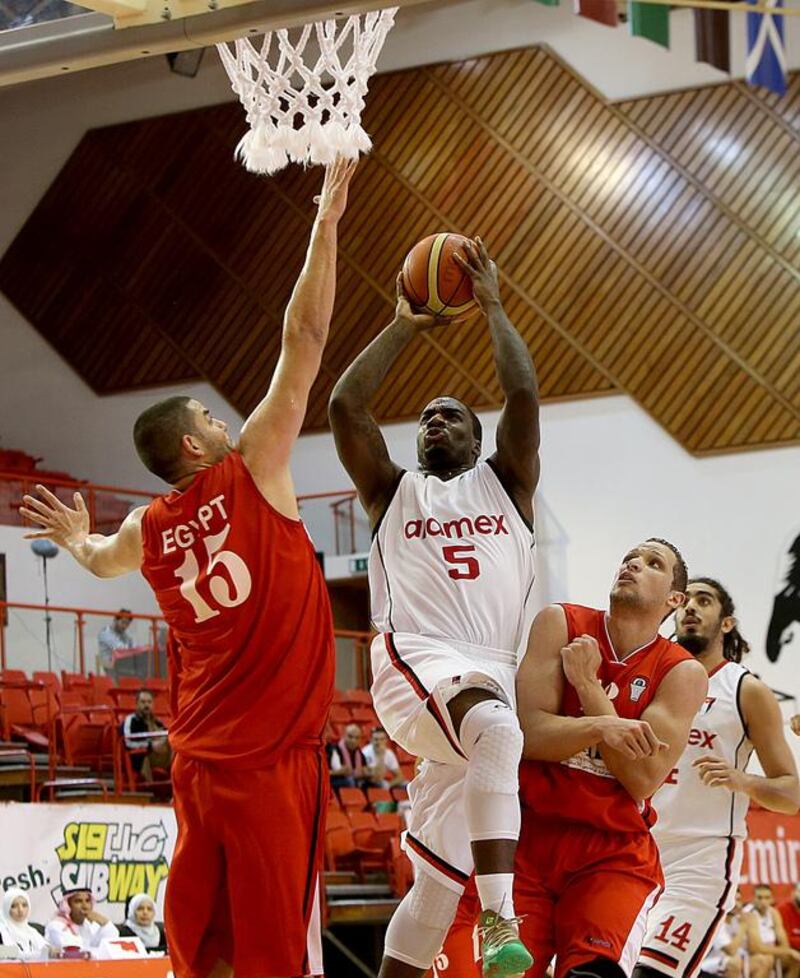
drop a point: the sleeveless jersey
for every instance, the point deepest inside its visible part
(251, 636)
(452, 559)
(686, 807)
(581, 788)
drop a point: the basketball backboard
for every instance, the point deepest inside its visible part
(40, 38)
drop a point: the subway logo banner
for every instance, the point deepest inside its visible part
(112, 850)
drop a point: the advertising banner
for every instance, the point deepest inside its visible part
(113, 850)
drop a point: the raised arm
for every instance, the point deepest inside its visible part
(103, 556)
(517, 439)
(679, 696)
(359, 441)
(270, 432)
(778, 789)
(540, 688)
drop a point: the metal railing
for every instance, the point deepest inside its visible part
(108, 505)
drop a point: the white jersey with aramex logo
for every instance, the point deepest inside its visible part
(687, 808)
(453, 559)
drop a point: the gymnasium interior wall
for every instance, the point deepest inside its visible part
(610, 474)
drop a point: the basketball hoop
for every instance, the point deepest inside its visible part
(306, 112)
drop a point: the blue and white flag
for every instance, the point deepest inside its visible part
(766, 54)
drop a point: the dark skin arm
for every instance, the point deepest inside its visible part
(358, 438)
(517, 455)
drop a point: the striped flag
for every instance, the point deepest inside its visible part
(766, 51)
(650, 20)
(603, 11)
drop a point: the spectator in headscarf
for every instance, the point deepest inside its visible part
(15, 929)
(141, 922)
(78, 925)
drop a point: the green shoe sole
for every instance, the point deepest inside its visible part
(511, 959)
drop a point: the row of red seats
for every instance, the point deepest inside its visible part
(364, 843)
(76, 715)
(367, 799)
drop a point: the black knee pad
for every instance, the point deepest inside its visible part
(600, 968)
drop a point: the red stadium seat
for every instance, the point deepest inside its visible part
(13, 676)
(337, 696)
(101, 687)
(390, 823)
(379, 796)
(343, 853)
(75, 682)
(50, 679)
(400, 870)
(364, 715)
(352, 799)
(132, 682)
(359, 697)
(399, 793)
(87, 741)
(407, 770)
(156, 684)
(24, 713)
(340, 715)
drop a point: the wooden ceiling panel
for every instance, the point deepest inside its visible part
(649, 247)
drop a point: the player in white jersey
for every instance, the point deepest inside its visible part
(450, 571)
(703, 803)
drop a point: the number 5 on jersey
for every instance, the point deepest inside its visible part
(228, 591)
(465, 567)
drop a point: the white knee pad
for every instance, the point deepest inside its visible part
(420, 924)
(492, 740)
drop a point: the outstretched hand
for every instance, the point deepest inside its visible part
(64, 526)
(482, 271)
(332, 199)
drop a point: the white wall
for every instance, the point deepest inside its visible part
(611, 477)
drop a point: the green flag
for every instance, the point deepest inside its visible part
(650, 20)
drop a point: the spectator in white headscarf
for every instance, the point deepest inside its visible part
(78, 925)
(141, 922)
(15, 929)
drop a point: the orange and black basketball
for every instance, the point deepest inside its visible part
(433, 280)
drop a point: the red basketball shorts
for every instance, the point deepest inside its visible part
(244, 881)
(584, 893)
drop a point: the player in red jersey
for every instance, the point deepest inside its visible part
(251, 648)
(606, 706)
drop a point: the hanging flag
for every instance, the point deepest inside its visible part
(650, 20)
(766, 51)
(603, 11)
(712, 40)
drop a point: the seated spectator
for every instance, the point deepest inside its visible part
(790, 915)
(141, 922)
(767, 942)
(15, 929)
(114, 638)
(383, 768)
(727, 956)
(144, 721)
(346, 759)
(77, 925)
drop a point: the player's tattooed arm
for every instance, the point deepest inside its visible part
(103, 556)
(778, 789)
(518, 436)
(359, 442)
(679, 696)
(540, 689)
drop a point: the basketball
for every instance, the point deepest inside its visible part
(433, 280)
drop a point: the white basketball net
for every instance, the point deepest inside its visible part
(327, 95)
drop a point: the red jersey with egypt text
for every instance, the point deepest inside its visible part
(582, 788)
(251, 649)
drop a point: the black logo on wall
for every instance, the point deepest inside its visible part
(786, 609)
